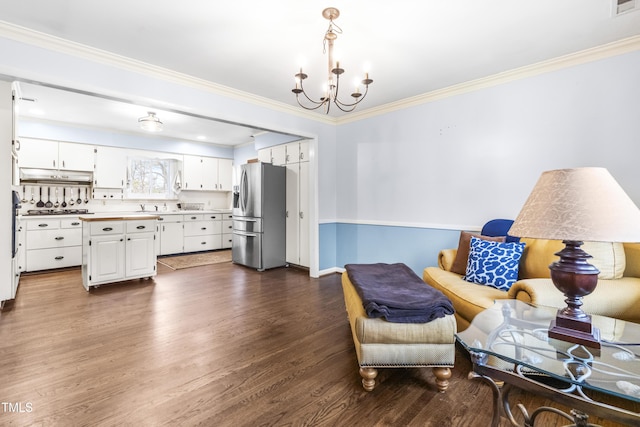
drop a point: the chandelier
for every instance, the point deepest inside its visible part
(150, 123)
(333, 80)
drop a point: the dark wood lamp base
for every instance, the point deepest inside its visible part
(575, 278)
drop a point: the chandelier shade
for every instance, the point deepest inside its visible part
(332, 87)
(150, 123)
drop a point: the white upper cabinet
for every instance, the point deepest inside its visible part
(207, 173)
(47, 154)
(111, 167)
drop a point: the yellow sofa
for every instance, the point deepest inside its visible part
(615, 297)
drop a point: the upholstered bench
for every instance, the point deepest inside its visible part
(383, 344)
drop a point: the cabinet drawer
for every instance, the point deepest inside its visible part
(227, 240)
(226, 216)
(106, 227)
(143, 226)
(43, 224)
(202, 243)
(44, 259)
(227, 226)
(70, 223)
(170, 218)
(55, 238)
(213, 216)
(193, 217)
(198, 228)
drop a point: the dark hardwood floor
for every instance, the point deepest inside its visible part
(218, 345)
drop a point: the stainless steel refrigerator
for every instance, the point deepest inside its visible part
(259, 236)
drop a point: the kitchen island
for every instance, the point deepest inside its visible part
(117, 247)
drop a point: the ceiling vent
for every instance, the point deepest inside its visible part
(620, 7)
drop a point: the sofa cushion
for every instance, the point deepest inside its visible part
(609, 258)
(462, 255)
(493, 263)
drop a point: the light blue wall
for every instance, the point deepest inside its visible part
(416, 247)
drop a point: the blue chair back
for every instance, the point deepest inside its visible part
(499, 227)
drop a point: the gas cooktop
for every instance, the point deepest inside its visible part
(57, 212)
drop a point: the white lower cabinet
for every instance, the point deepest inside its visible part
(171, 234)
(117, 250)
(227, 231)
(202, 232)
(52, 243)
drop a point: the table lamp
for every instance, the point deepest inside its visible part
(577, 205)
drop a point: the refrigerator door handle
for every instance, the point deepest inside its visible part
(245, 219)
(241, 233)
(244, 190)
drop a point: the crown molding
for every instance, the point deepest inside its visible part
(588, 55)
(46, 41)
(57, 44)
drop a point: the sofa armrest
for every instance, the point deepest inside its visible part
(446, 258)
(537, 292)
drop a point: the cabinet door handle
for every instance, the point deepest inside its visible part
(301, 156)
(203, 228)
(141, 227)
(163, 228)
(160, 219)
(107, 229)
(301, 215)
(203, 243)
(75, 223)
(213, 217)
(59, 238)
(43, 225)
(128, 238)
(194, 217)
(63, 164)
(58, 258)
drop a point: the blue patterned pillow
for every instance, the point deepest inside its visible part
(493, 263)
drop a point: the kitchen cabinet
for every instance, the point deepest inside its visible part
(47, 154)
(118, 248)
(52, 243)
(297, 215)
(110, 169)
(206, 173)
(227, 231)
(202, 232)
(171, 234)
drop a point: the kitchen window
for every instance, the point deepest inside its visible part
(151, 178)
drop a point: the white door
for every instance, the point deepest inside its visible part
(76, 157)
(171, 236)
(141, 255)
(111, 167)
(225, 174)
(38, 153)
(107, 259)
(303, 242)
(292, 218)
(209, 173)
(192, 173)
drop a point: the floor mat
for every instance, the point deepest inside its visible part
(194, 260)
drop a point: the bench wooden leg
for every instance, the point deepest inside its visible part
(368, 378)
(442, 378)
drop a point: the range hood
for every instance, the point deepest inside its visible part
(54, 176)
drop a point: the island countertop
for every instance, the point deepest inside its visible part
(118, 217)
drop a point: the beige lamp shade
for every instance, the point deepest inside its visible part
(584, 204)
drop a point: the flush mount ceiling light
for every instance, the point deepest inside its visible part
(333, 80)
(150, 123)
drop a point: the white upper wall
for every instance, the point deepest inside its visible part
(460, 161)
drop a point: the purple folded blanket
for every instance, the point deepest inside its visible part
(395, 292)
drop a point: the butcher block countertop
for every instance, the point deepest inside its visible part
(118, 217)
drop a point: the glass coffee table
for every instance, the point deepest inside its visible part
(508, 343)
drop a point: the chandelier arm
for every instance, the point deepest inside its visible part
(337, 101)
(319, 103)
(309, 108)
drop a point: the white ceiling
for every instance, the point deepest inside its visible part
(412, 47)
